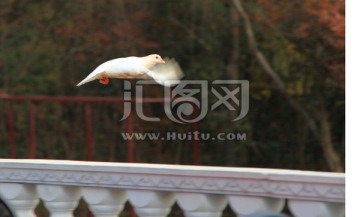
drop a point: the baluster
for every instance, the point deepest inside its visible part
(246, 205)
(201, 205)
(59, 200)
(300, 208)
(21, 198)
(151, 203)
(104, 202)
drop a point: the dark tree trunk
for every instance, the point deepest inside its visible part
(233, 74)
(323, 134)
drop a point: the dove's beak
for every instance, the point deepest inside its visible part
(162, 61)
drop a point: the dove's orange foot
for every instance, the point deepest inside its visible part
(104, 81)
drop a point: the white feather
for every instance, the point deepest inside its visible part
(152, 66)
(167, 74)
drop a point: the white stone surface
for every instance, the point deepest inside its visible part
(245, 205)
(22, 199)
(104, 202)
(316, 209)
(201, 205)
(153, 188)
(59, 200)
(151, 203)
(322, 186)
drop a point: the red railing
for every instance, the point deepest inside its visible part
(87, 101)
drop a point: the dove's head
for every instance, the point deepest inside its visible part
(152, 60)
(156, 58)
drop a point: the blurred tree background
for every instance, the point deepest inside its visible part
(292, 53)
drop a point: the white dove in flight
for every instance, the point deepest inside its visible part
(152, 66)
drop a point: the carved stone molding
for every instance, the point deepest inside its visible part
(274, 183)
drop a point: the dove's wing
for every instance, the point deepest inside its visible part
(166, 74)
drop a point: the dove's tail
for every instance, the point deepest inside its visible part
(86, 80)
(96, 74)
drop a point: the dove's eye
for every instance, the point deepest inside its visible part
(157, 57)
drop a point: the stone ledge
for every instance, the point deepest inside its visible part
(290, 184)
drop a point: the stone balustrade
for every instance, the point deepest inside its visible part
(152, 189)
